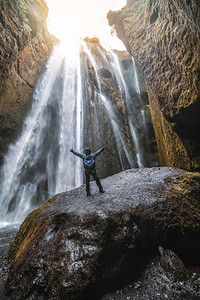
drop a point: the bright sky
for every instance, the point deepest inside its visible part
(81, 18)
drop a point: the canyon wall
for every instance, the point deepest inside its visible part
(125, 100)
(25, 45)
(163, 36)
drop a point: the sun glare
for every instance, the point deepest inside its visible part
(77, 19)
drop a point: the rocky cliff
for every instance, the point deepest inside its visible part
(163, 36)
(125, 101)
(25, 45)
(78, 247)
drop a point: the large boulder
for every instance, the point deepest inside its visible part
(75, 247)
(163, 36)
(25, 45)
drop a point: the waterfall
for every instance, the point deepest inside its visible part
(83, 98)
(132, 119)
(121, 145)
(39, 163)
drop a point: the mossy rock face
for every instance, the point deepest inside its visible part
(181, 210)
(163, 37)
(25, 45)
(75, 247)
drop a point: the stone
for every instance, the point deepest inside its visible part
(155, 282)
(104, 73)
(25, 45)
(7, 234)
(163, 37)
(121, 98)
(75, 247)
(94, 40)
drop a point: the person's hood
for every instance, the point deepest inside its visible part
(87, 151)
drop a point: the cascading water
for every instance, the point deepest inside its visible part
(39, 164)
(129, 104)
(120, 143)
(73, 106)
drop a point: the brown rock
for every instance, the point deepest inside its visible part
(163, 37)
(25, 45)
(75, 247)
(165, 277)
(94, 40)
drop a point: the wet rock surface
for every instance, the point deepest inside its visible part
(117, 79)
(78, 247)
(7, 234)
(161, 280)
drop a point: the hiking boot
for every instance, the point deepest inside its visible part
(101, 191)
(88, 194)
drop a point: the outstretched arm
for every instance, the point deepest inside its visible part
(98, 152)
(77, 154)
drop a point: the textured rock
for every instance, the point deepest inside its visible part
(75, 247)
(125, 102)
(163, 36)
(25, 45)
(6, 236)
(165, 277)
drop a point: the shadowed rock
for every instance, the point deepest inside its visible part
(163, 37)
(78, 247)
(165, 277)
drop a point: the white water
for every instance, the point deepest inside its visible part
(136, 81)
(51, 129)
(116, 65)
(39, 164)
(121, 145)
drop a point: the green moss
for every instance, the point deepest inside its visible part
(181, 211)
(19, 9)
(26, 231)
(23, 12)
(134, 11)
(188, 181)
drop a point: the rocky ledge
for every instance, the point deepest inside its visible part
(78, 247)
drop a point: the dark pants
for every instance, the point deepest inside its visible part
(92, 172)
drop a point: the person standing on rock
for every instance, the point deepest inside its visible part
(89, 165)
